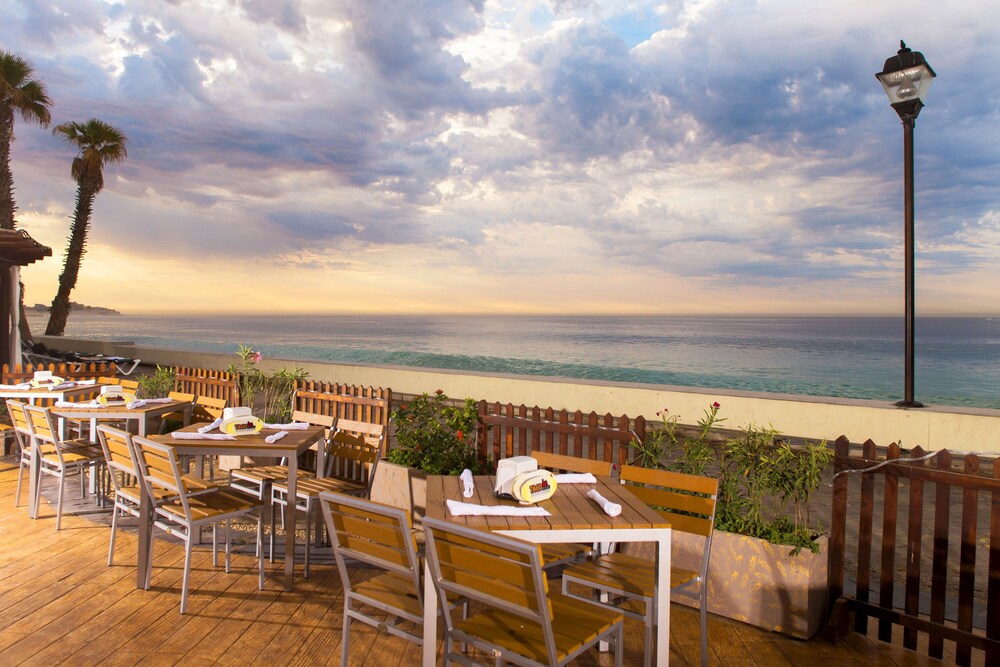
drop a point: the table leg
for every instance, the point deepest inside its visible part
(293, 473)
(430, 619)
(663, 602)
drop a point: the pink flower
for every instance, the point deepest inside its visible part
(255, 357)
(439, 391)
(716, 405)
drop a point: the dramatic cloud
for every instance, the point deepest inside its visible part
(525, 155)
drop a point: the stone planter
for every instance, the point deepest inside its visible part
(756, 582)
(399, 486)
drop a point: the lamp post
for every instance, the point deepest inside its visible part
(906, 78)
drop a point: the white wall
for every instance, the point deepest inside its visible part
(964, 429)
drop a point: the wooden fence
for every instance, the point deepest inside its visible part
(365, 404)
(207, 382)
(918, 550)
(65, 370)
(509, 430)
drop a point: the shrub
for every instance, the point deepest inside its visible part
(157, 385)
(436, 437)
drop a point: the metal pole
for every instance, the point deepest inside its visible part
(908, 123)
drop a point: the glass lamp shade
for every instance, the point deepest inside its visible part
(906, 76)
(910, 83)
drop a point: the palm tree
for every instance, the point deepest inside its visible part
(99, 144)
(18, 93)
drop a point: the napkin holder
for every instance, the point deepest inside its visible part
(240, 421)
(114, 394)
(519, 478)
(45, 379)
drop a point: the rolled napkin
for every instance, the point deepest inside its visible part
(457, 508)
(64, 385)
(576, 478)
(21, 386)
(467, 485)
(70, 404)
(90, 381)
(210, 427)
(293, 426)
(610, 508)
(182, 435)
(275, 437)
(132, 405)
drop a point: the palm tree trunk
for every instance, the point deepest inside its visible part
(7, 206)
(74, 256)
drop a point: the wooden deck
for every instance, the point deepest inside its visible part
(61, 604)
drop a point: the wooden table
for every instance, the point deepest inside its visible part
(290, 446)
(140, 415)
(575, 518)
(32, 396)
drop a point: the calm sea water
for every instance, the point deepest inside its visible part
(957, 359)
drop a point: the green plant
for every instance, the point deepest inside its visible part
(690, 455)
(278, 390)
(435, 436)
(157, 385)
(757, 469)
(249, 378)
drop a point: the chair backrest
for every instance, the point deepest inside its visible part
(353, 451)
(497, 571)
(42, 429)
(562, 462)
(117, 447)
(131, 385)
(108, 380)
(181, 396)
(160, 471)
(687, 501)
(207, 408)
(374, 534)
(326, 421)
(20, 424)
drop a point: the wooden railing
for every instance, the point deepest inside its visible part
(365, 404)
(65, 370)
(509, 430)
(948, 612)
(207, 382)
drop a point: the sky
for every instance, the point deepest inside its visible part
(514, 156)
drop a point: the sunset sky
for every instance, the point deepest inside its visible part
(525, 156)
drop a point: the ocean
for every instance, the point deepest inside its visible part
(957, 359)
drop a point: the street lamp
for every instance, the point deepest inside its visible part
(906, 78)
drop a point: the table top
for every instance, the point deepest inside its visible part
(249, 444)
(45, 392)
(570, 507)
(121, 411)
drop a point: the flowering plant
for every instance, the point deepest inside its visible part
(689, 454)
(435, 436)
(278, 388)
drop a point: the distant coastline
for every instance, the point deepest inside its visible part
(42, 308)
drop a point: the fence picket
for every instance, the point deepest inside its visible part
(914, 533)
(890, 499)
(967, 561)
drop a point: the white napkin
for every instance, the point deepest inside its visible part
(276, 437)
(462, 509)
(179, 435)
(210, 427)
(91, 381)
(17, 387)
(294, 426)
(68, 404)
(64, 385)
(138, 403)
(610, 508)
(467, 485)
(576, 478)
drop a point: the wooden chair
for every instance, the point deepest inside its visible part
(60, 458)
(175, 416)
(23, 439)
(256, 480)
(688, 502)
(520, 621)
(183, 513)
(207, 409)
(123, 472)
(558, 555)
(352, 453)
(380, 537)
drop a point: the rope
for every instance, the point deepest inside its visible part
(903, 459)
